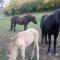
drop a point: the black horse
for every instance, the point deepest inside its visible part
(22, 21)
(50, 26)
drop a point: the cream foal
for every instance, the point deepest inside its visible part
(22, 40)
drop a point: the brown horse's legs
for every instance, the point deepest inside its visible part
(14, 27)
(25, 26)
(11, 27)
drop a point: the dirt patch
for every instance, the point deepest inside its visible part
(4, 40)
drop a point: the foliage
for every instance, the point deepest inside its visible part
(45, 6)
(31, 7)
(28, 7)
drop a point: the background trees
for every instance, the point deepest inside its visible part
(28, 6)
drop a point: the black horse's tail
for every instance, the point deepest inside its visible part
(42, 19)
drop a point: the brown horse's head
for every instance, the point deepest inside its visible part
(32, 18)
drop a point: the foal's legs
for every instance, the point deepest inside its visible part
(49, 37)
(13, 53)
(37, 45)
(23, 53)
(33, 51)
(37, 48)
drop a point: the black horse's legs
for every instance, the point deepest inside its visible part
(49, 37)
(14, 27)
(42, 37)
(55, 39)
(46, 42)
(25, 26)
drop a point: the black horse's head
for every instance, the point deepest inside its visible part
(32, 18)
(57, 15)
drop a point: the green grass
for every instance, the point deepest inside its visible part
(5, 34)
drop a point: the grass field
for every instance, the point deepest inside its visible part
(5, 34)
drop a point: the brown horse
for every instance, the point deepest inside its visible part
(22, 21)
